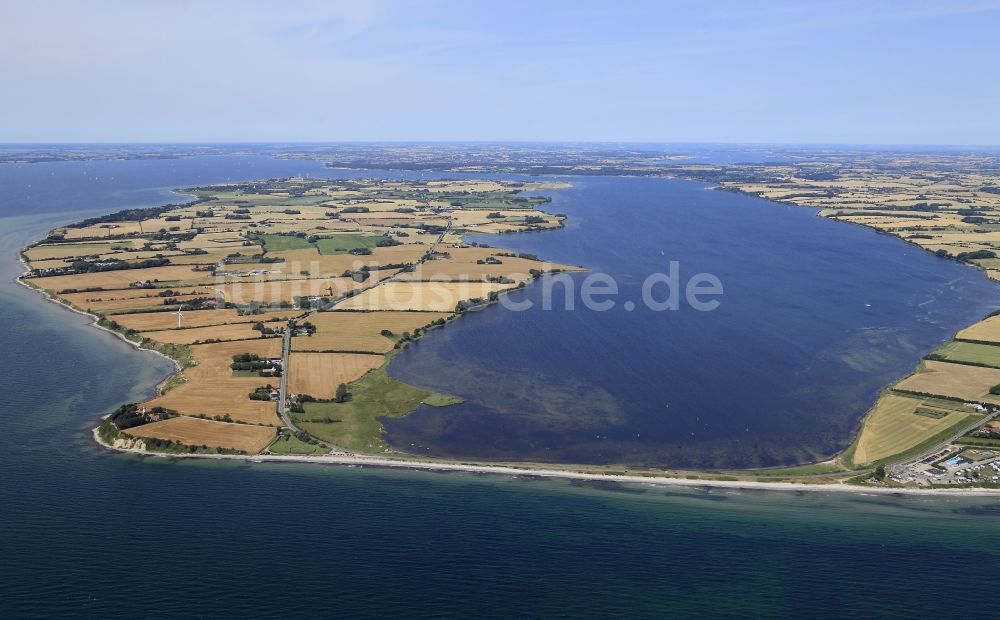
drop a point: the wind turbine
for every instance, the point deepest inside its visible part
(179, 317)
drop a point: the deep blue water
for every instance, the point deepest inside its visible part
(816, 317)
(86, 533)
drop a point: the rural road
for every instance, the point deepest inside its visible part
(287, 345)
(283, 385)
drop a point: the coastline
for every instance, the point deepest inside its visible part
(94, 323)
(356, 460)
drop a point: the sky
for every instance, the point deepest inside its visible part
(853, 72)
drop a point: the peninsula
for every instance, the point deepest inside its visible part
(282, 302)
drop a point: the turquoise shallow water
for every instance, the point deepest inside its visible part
(88, 533)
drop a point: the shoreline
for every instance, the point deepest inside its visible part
(357, 460)
(94, 323)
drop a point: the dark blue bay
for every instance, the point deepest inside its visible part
(817, 316)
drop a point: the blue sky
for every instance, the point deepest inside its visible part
(791, 72)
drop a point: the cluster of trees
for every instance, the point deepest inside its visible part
(253, 362)
(355, 210)
(976, 255)
(130, 215)
(82, 266)
(263, 329)
(262, 393)
(129, 416)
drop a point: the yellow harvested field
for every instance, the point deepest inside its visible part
(892, 427)
(212, 390)
(197, 432)
(987, 330)
(235, 331)
(473, 217)
(149, 321)
(68, 250)
(199, 259)
(464, 186)
(319, 374)
(287, 290)
(463, 266)
(110, 306)
(122, 278)
(321, 265)
(102, 230)
(970, 383)
(360, 331)
(433, 296)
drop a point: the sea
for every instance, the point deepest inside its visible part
(89, 533)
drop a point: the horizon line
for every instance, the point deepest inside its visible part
(507, 142)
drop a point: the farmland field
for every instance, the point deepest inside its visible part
(893, 426)
(971, 352)
(430, 296)
(361, 331)
(987, 330)
(211, 389)
(150, 321)
(319, 374)
(970, 383)
(278, 243)
(340, 243)
(196, 432)
(182, 274)
(195, 335)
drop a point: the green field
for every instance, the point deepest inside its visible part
(970, 353)
(894, 430)
(354, 425)
(289, 444)
(341, 244)
(280, 243)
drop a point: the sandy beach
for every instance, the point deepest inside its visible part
(356, 460)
